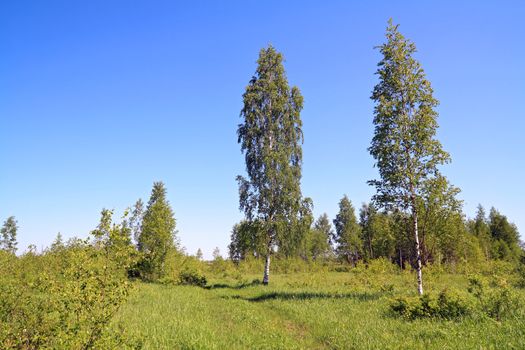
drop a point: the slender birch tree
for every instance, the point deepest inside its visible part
(271, 138)
(404, 145)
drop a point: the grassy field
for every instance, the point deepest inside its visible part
(323, 310)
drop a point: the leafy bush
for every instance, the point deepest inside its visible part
(61, 300)
(521, 273)
(192, 278)
(446, 305)
(499, 302)
(66, 297)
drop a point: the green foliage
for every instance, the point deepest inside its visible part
(135, 221)
(192, 278)
(377, 232)
(246, 239)
(271, 137)
(317, 240)
(505, 237)
(404, 144)
(199, 256)
(498, 303)
(446, 305)
(294, 238)
(347, 233)
(521, 272)
(157, 234)
(63, 299)
(8, 239)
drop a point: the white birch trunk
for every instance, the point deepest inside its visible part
(418, 256)
(266, 277)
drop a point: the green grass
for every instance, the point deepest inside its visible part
(323, 310)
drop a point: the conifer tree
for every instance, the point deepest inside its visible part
(157, 235)
(271, 137)
(404, 145)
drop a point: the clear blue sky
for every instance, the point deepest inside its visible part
(98, 99)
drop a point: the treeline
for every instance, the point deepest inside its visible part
(446, 237)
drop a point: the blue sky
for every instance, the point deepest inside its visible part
(98, 99)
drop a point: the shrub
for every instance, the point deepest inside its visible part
(62, 299)
(446, 305)
(497, 303)
(192, 278)
(383, 266)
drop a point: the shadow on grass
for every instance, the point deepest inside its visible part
(360, 296)
(236, 286)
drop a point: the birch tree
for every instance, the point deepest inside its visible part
(404, 145)
(271, 140)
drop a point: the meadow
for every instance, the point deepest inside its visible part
(319, 309)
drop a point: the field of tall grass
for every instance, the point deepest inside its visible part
(325, 309)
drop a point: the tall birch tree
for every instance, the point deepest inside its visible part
(404, 145)
(271, 139)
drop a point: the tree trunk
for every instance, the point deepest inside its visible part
(266, 277)
(418, 254)
(400, 259)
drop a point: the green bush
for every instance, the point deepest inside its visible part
(63, 299)
(499, 302)
(445, 305)
(66, 297)
(192, 278)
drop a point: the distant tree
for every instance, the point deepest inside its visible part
(135, 221)
(404, 146)
(367, 215)
(294, 238)
(271, 138)
(505, 236)
(157, 235)
(217, 254)
(9, 230)
(58, 243)
(114, 239)
(442, 231)
(319, 242)
(247, 239)
(347, 232)
(199, 254)
(479, 228)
